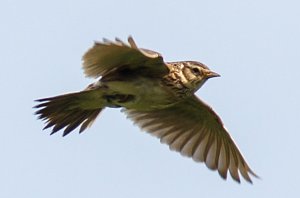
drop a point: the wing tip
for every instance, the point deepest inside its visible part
(132, 42)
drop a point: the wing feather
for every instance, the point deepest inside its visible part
(194, 129)
(107, 56)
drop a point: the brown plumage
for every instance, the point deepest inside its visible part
(158, 96)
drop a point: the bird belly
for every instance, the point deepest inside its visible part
(142, 94)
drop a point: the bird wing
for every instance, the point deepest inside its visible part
(192, 128)
(108, 56)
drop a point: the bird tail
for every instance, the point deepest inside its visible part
(70, 110)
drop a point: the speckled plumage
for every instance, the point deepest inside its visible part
(158, 96)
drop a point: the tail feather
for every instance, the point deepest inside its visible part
(69, 111)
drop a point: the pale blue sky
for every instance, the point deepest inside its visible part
(253, 44)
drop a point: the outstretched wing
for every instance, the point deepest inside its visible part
(108, 56)
(195, 130)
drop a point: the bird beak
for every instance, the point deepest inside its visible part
(211, 74)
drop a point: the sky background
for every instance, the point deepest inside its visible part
(253, 44)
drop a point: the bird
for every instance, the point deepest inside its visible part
(157, 96)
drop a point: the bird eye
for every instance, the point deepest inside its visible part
(196, 71)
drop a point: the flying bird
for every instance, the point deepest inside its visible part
(157, 96)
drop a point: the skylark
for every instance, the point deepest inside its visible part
(158, 96)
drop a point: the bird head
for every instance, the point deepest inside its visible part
(195, 74)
